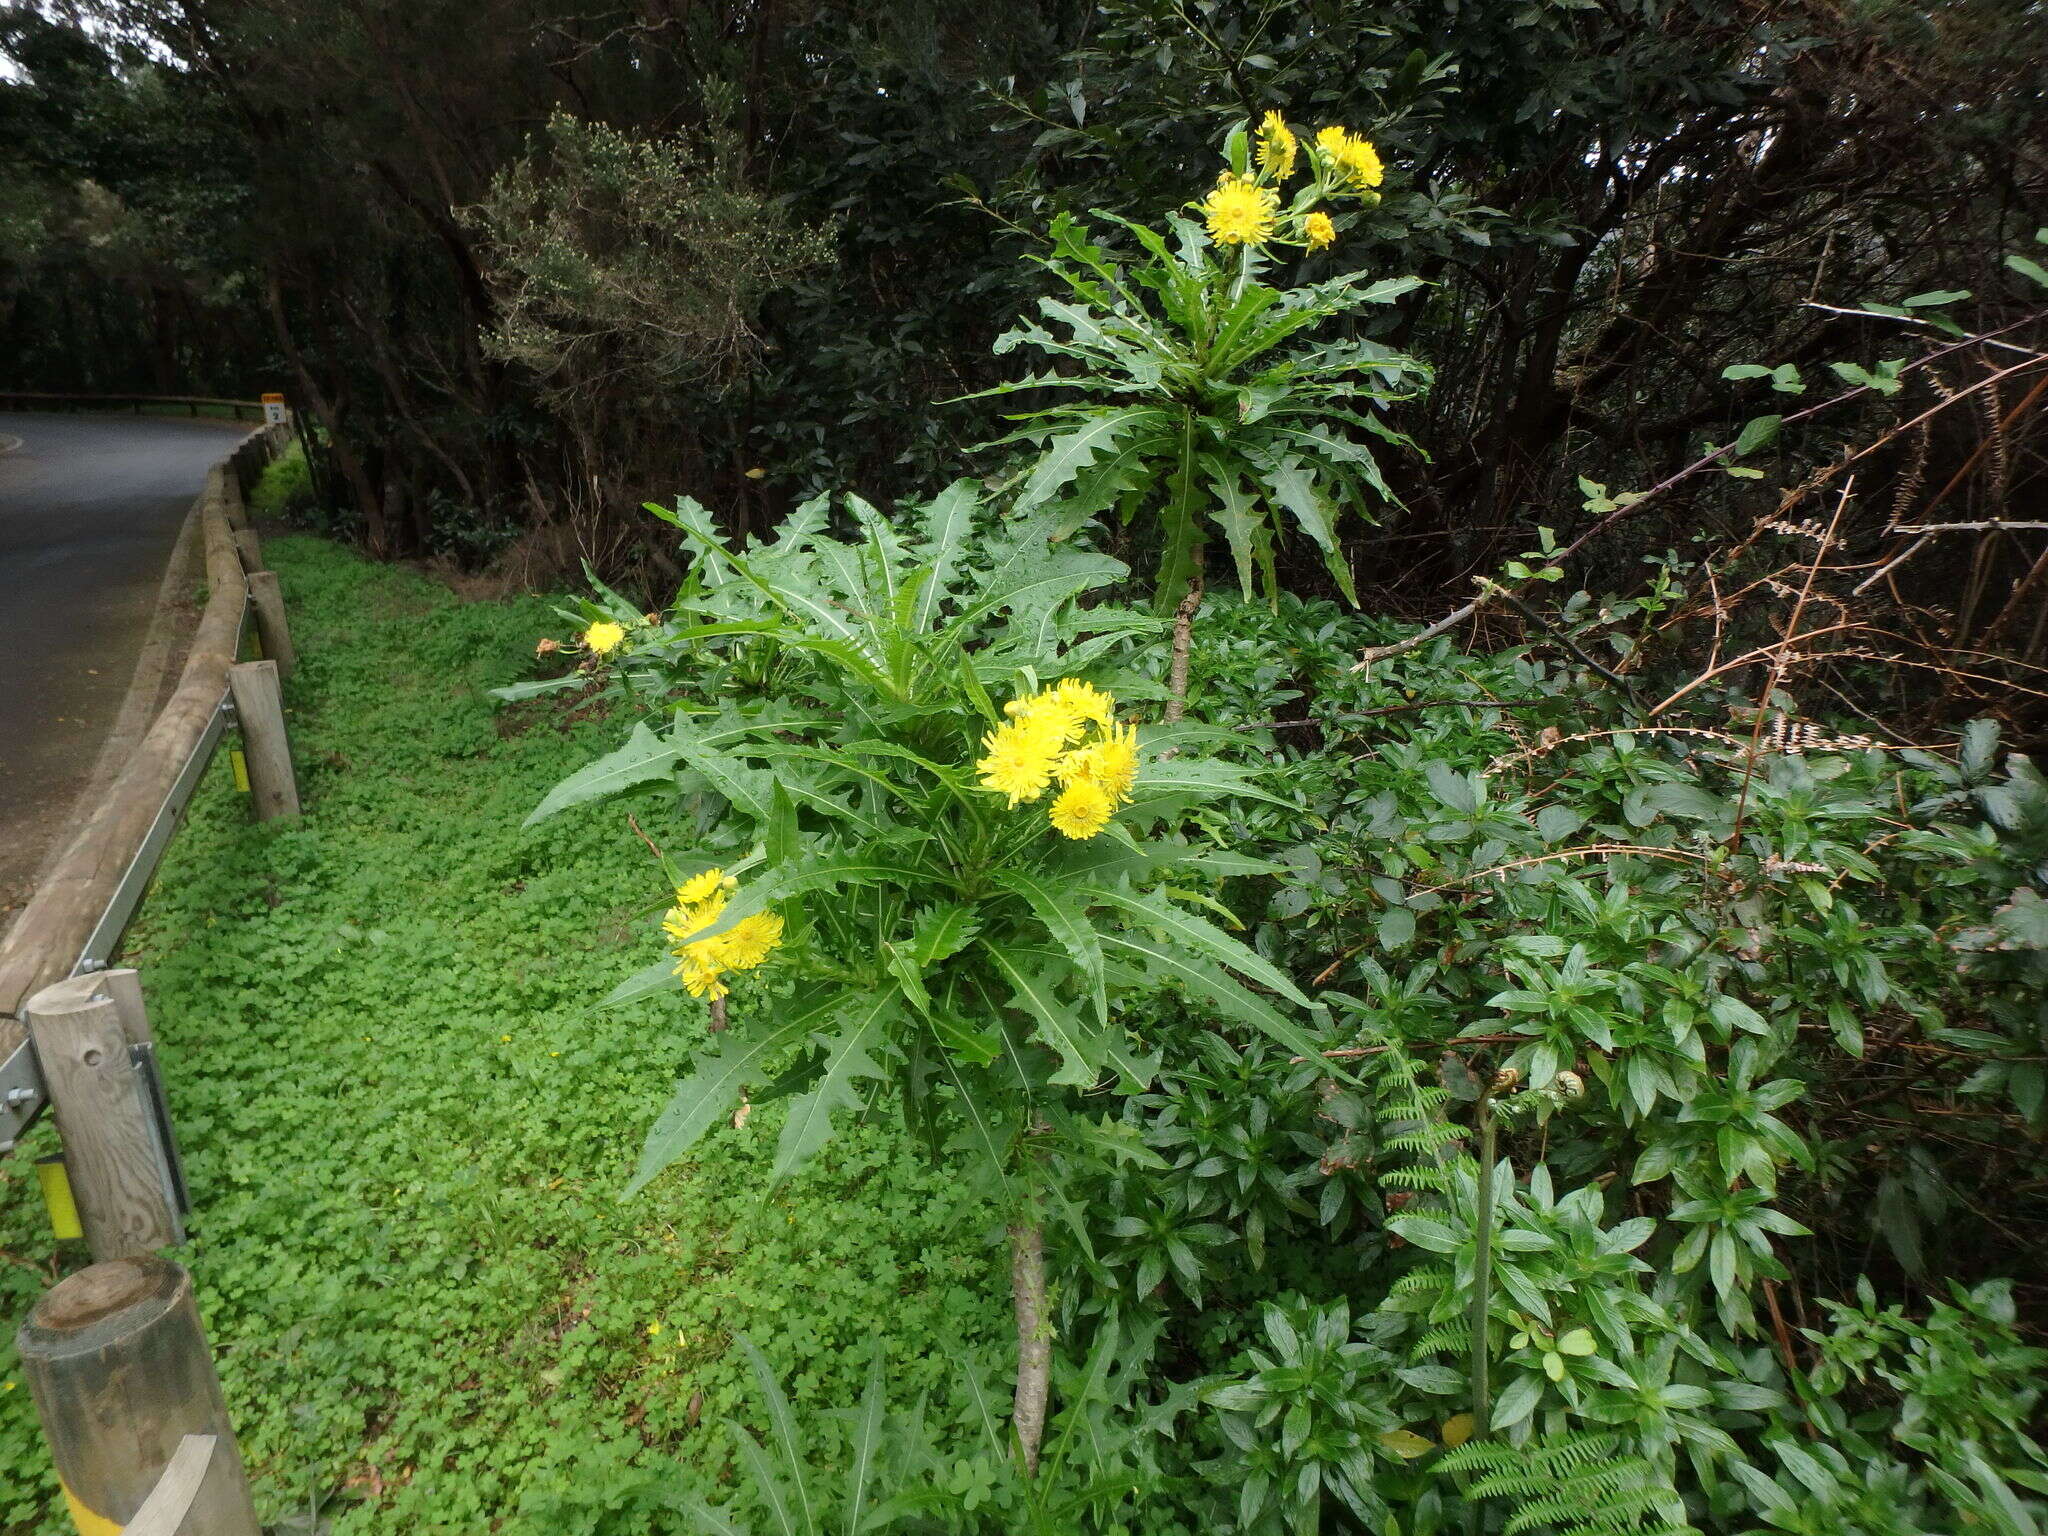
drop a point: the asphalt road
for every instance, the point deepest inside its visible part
(90, 508)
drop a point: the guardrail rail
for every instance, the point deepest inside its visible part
(153, 1441)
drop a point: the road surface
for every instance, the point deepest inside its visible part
(90, 509)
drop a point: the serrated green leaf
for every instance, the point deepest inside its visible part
(1207, 982)
(658, 977)
(1067, 922)
(734, 1059)
(847, 1057)
(644, 758)
(1202, 937)
(941, 932)
(1080, 1047)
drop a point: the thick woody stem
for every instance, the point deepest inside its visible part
(1034, 1339)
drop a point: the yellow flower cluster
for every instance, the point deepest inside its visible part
(603, 637)
(702, 963)
(1245, 210)
(1066, 734)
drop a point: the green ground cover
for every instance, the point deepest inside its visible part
(406, 1126)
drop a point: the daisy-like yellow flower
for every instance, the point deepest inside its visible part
(748, 942)
(603, 637)
(1318, 230)
(1018, 755)
(1083, 701)
(1351, 158)
(700, 887)
(1082, 809)
(1240, 211)
(1277, 147)
(1111, 763)
(1050, 712)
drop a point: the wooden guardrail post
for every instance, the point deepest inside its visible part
(115, 1157)
(122, 1379)
(267, 598)
(259, 706)
(250, 548)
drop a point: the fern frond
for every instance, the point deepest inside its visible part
(1576, 1484)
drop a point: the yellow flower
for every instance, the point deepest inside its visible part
(1277, 146)
(1351, 158)
(1319, 230)
(1083, 701)
(1111, 764)
(1082, 809)
(747, 943)
(1240, 211)
(1019, 754)
(1049, 711)
(603, 637)
(700, 887)
(700, 971)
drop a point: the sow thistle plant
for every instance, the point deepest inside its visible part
(958, 899)
(1208, 399)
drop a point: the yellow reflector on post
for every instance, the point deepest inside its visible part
(56, 1186)
(241, 767)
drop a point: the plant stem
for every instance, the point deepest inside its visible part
(1482, 1285)
(1034, 1340)
(1482, 1270)
(1183, 644)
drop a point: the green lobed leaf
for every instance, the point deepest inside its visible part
(644, 758)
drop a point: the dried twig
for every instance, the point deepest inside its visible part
(1458, 616)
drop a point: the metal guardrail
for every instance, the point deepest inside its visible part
(22, 1098)
(44, 400)
(84, 938)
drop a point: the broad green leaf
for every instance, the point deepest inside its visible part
(1067, 921)
(847, 1057)
(733, 1059)
(1203, 938)
(1516, 1403)
(658, 977)
(1081, 1049)
(1426, 1232)
(644, 758)
(2027, 268)
(1757, 432)
(1205, 981)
